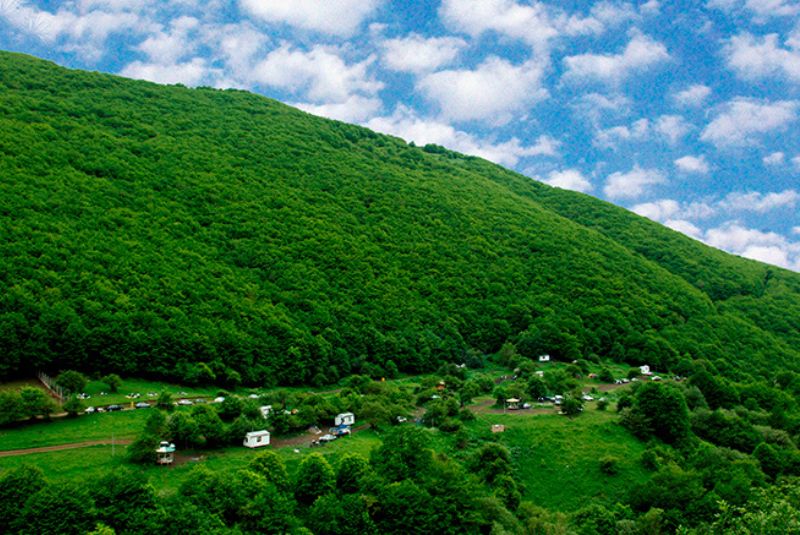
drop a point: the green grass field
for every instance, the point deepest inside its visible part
(86, 464)
(558, 459)
(122, 425)
(70, 465)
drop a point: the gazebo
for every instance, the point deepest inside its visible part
(165, 454)
(512, 404)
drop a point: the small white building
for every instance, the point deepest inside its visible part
(544, 358)
(645, 370)
(165, 454)
(539, 373)
(256, 439)
(265, 410)
(345, 418)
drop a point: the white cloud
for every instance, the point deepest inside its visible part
(741, 121)
(571, 179)
(167, 48)
(334, 17)
(762, 9)
(354, 109)
(692, 164)
(795, 230)
(734, 202)
(753, 201)
(610, 137)
(664, 210)
(684, 227)
(753, 58)
(321, 73)
(83, 31)
(673, 127)
(670, 127)
(530, 23)
(405, 123)
(602, 16)
(633, 184)
(417, 54)
(660, 210)
(595, 106)
(776, 158)
(640, 53)
(495, 92)
(768, 247)
(190, 73)
(693, 95)
(796, 161)
(651, 7)
(237, 45)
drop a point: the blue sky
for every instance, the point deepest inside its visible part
(684, 112)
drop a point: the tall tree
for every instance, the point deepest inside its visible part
(314, 478)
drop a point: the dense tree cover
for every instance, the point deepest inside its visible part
(221, 237)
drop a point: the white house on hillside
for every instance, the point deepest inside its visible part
(544, 358)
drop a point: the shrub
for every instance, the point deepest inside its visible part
(609, 465)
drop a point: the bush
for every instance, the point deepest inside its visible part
(606, 376)
(72, 381)
(649, 460)
(113, 381)
(451, 425)
(609, 465)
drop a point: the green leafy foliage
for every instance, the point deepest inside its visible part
(217, 236)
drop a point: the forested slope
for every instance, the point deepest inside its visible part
(194, 233)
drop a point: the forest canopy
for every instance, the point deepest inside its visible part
(222, 237)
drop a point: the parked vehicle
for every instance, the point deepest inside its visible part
(89, 410)
(114, 408)
(327, 438)
(142, 405)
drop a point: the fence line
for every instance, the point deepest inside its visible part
(50, 384)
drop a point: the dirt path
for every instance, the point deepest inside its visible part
(59, 447)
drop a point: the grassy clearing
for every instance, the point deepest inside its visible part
(89, 463)
(143, 387)
(558, 459)
(70, 465)
(123, 425)
(19, 385)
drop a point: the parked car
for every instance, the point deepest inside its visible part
(327, 438)
(142, 405)
(114, 408)
(186, 402)
(89, 410)
(219, 399)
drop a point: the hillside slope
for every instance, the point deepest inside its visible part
(194, 233)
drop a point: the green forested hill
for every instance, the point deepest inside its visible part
(192, 233)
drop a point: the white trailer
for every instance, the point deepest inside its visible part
(256, 439)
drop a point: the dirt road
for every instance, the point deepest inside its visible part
(59, 447)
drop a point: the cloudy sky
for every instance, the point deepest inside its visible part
(684, 112)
